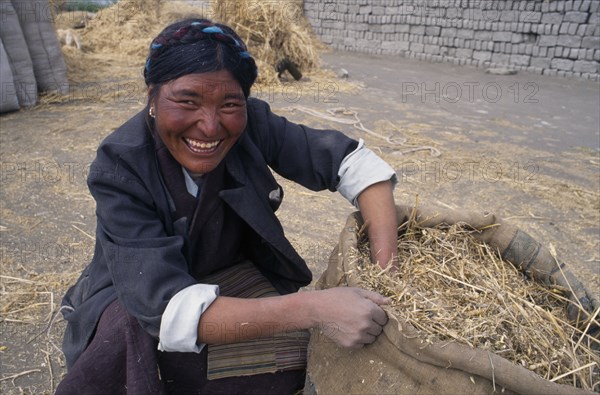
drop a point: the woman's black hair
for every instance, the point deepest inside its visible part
(197, 45)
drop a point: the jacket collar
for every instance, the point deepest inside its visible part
(234, 164)
(174, 180)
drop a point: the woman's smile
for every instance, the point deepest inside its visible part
(200, 147)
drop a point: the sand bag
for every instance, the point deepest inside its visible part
(407, 359)
(18, 57)
(44, 48)
(8, 94)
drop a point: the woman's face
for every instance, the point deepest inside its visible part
(199, 117)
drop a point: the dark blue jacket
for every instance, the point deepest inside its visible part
(140, 251)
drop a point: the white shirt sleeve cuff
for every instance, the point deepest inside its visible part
(179, 323)
(360, 169)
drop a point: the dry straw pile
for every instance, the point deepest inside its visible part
(116, 41)
(119, 36)
(273, 31)
(452, 287)
(115, 44)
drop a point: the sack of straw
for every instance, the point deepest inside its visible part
(462, 320)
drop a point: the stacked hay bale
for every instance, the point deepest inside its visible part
(31, 58)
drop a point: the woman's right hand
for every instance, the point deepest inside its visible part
(352, 317)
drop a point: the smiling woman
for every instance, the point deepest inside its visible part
(193, 284)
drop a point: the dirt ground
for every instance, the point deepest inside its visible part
(523, 146)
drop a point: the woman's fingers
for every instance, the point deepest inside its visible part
(356, 314)
(375, 297)
(375, 329)
(378, 315)
(366, 340)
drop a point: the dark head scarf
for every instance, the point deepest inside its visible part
(199, 46)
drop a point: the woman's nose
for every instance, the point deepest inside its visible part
(208, 125)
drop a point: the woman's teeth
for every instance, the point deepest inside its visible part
(199, 146)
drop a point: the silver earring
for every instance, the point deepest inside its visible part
(151, 112)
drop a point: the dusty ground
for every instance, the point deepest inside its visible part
(522, 146)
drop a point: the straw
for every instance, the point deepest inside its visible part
(452, 287)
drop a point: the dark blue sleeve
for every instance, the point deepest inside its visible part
(304, 155)
(147, 265)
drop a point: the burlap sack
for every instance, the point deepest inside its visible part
(399, 362)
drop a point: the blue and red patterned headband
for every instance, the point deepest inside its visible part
(195, 32)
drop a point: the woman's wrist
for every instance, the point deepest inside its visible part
(302, 309)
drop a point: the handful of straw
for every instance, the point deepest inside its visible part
(452, 287)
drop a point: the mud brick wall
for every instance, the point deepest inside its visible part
(547, 37)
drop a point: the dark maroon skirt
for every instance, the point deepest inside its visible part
(123, 359)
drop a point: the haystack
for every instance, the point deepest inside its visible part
(115, 44)
(274, 31)
(124, 31)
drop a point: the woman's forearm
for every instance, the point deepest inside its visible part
(378, 210)
(350, 316)
(231, 320)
